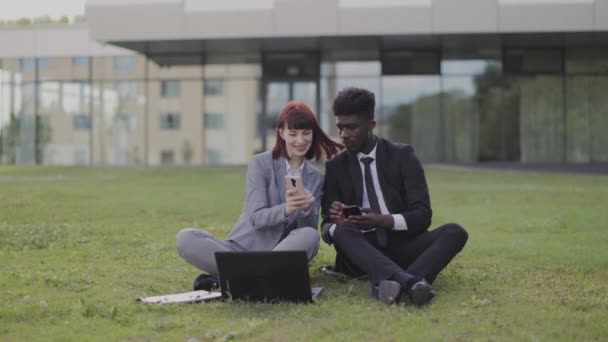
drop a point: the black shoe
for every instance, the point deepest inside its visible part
(388, 291)
(206, 282)
(421, 293)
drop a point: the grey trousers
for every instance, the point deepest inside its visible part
(198, 247)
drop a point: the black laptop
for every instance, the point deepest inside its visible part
(265, 276)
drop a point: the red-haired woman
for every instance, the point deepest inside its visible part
(273, 218)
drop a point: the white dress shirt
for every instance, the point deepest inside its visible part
(400, 223)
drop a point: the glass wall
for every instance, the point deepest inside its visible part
(174, 115)
(231, 112)
(469, 98)
(587, 106)
(411, 109)
(453, 105)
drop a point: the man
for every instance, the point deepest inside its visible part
(389, 242)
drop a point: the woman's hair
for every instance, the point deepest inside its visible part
(297, 115)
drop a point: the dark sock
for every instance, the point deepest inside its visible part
(406, 280)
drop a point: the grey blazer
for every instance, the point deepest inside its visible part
(262, 222)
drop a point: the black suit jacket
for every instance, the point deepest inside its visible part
(401, 178)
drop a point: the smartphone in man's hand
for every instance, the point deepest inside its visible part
(295, 182)
(351, 210)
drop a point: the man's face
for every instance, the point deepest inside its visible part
(354, 131)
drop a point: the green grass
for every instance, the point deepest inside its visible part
(78, 245)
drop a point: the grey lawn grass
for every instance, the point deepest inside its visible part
(78, 245)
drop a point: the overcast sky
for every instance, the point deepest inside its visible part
(15, 9)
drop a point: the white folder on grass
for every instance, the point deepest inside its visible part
(186, 297)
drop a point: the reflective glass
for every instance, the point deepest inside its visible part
(578, 129)
(10, 71)
(119, 126)
(10, 122)
(586, 60)
(239, 138)
(410, 107)
(64, 69)
(586, 123)
(541, 118)
(598, 118)
(64, 110)
(184, 142)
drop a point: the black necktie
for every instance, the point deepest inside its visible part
(373, 199)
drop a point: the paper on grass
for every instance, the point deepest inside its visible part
(186, 297)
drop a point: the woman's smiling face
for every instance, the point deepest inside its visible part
(297, 141)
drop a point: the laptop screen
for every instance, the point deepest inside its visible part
(264, 276)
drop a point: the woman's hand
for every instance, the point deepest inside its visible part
(294, 202)
(310, 200)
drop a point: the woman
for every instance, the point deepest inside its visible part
(273, 218)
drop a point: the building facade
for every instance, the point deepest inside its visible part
(201, 83)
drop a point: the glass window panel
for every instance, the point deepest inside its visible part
(282, 65)
(541, 119)
(598, 118)
(123, 64)
(411, 63)
(10, 71)
(214, 157)
(28, 64)
(578, 130)
(214, 121)
(76, 97)
(6, 120)
(127, 67)
(167, 157)
(79, 62)
(306, 91)
(353, 68)
(28, 69)
(169, 88)
(239, 140)
(126, 90)
(64, 135)
(22, 140)
(411, 113)
(63, 69)
(214, 87)
(586, 60)
(5, 117)
(533, 61)
(465, 67)
(169, 121)
(460, 119)
(118, 130)
(277, 96)
(81, 121)
(186, 142)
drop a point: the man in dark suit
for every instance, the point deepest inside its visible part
(390, 241)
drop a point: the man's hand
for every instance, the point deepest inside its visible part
(335, 212)
(294, 202)
(372, 220)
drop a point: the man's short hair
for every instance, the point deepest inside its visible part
(358, 101)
